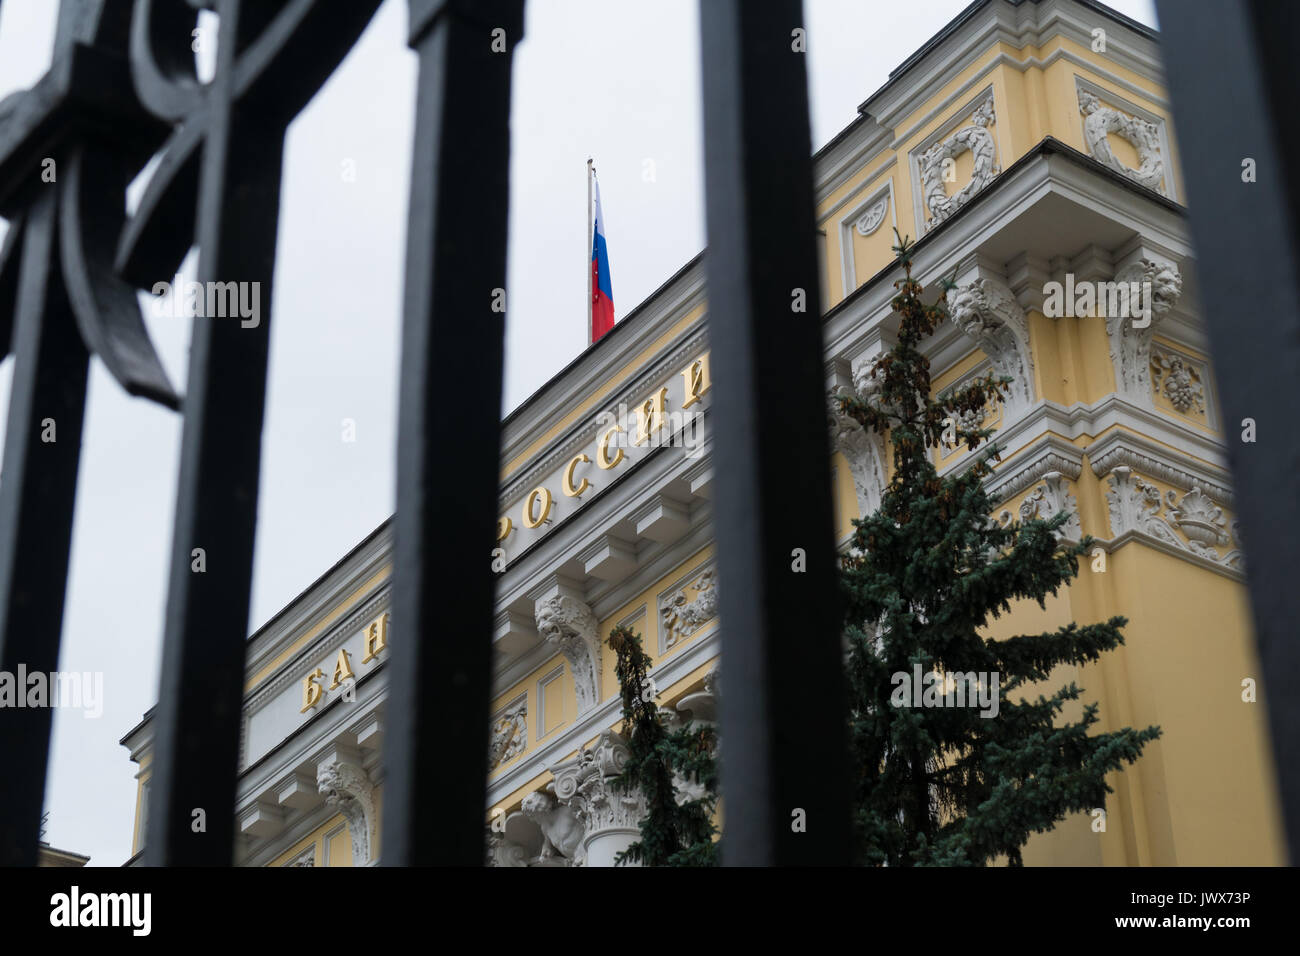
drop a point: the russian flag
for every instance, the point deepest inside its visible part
(602, 290)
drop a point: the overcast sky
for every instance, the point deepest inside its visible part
(617, 81)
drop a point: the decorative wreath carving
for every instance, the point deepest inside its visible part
(1099, 121)
(979, 141)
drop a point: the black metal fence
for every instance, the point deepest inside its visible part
(122, 88)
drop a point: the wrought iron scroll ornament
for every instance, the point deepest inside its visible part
(81, 135)
(121, 88)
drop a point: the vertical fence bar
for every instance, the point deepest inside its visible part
(783, 709)
(1233, 84)
(202, 684)
(41, 452)
(435, 751)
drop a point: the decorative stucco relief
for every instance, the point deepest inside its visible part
(585, 784)
(681, 616)
(863, 450)
(935, 161)
(349, 788)
(1099, 121)
(1130, 336)
(1179, 380)
(1192, 522)
(874, 215)
(306, 858)
(509, 733)
(987, 311)
(570, 626)
(562, 830)
(1050, 499)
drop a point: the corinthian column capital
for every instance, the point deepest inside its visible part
(611, 818)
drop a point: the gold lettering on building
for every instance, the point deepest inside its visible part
(541, 495)
(569, 490)
(312, 692)
(650, 416)
(376, 638)
(602, 450)
(696, 379)
(342, 669)
(504, 527)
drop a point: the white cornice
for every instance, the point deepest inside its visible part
(1138, 452)
(1019, 26)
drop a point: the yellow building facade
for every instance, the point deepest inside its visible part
(1030, 149)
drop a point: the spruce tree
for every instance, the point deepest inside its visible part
(676, 830)
(946, 785)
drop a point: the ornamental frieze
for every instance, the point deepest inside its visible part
(1192, 522)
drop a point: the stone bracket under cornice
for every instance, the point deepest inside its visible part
(983, 305)
(347, 786)
(567, 623)
(313, 782)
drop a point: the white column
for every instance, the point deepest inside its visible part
(610, 818)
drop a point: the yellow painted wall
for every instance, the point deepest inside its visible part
(1030, 103)
(317, 839)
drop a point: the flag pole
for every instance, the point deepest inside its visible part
(590, 240)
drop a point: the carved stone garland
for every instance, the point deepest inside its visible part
(932, 162)
(1099, 121)
(570, 625)
(1178, 380)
